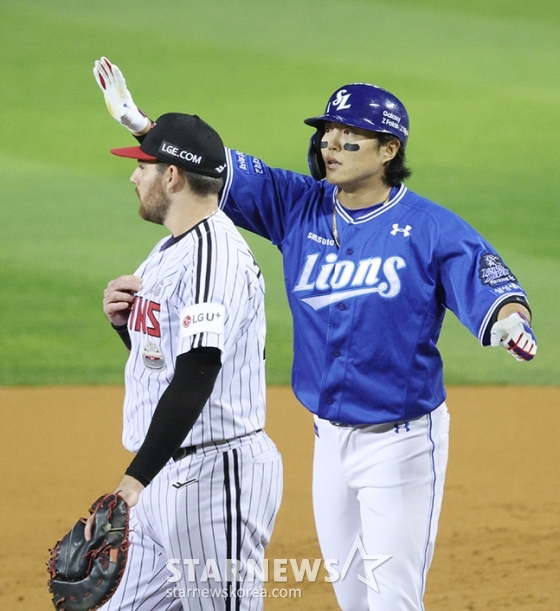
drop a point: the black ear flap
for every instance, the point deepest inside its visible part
(314, 157)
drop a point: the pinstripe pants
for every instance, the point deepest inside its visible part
(384, 484)
(197, 525)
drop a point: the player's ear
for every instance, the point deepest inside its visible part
(389, 150)
(174, 179)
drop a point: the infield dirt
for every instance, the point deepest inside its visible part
(498, 546)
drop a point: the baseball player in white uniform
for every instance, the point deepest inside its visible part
(370, 269)
(205, 484)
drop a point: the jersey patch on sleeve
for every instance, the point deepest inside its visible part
(257, 165)
(247, 164)
(202, 318)
(492, 270)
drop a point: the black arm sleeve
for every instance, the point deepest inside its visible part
(494, 318)
(122, 330)
(177, 410)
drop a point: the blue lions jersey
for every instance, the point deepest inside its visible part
(368, 314)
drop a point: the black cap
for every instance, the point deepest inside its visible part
(182, 140)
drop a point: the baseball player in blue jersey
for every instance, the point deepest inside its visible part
(370, 269)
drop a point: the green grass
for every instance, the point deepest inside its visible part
(477, 78)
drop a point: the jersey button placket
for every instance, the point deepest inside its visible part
(330, 400)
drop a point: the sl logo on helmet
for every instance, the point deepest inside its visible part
(341, 100)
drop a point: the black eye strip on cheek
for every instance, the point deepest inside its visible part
(324, 144)
(351, 147)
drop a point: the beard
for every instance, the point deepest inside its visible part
(154, 205)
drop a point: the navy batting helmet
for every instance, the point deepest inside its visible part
(358, 105)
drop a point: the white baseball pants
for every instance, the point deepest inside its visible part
(383, 484)
(210, 509)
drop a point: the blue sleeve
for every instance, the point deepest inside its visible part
(260, 199)
(474, 280)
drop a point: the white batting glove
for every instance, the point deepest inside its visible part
(514, 333)
(117, 97)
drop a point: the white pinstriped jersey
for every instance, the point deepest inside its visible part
(202, 289)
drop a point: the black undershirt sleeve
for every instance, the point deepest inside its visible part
(177, 410)
(494, 318)
(122, 330)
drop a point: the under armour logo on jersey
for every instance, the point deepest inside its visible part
(341, 100)
(179, 485)
(397, 229)
(405, 426)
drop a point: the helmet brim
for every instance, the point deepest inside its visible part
(319, 124)
(316, 122)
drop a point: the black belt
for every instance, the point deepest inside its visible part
(182, 452)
